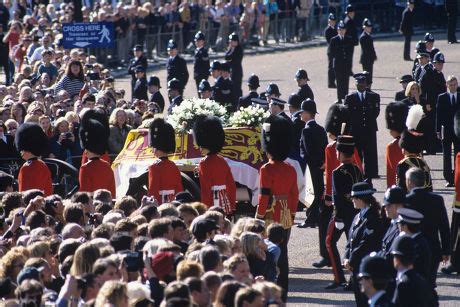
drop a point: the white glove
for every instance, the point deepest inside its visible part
(339, 225)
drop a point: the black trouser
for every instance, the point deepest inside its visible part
(317, 178)
(367, 150)
(351, 60)
(369, 67)
(431, 141)
(342, 76)
(283, 265)
(332, 237)
(434, 274)
(325, 214)
(451, 27)
(447, 143)
(455, 241)
(330, 71)
(407, 39)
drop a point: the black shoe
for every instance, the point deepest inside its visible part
(307, 225)
(332, 286)
(449, 185)
(332, 86)
(449, 270)
(321, 264)
(408, 59)
(453, 42)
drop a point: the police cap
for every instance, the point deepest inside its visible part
(301, 74)
(199, 36)
(234, 37)
(331, 17)
(406, 79)
(253, 81)
(272, 89)
(172, 44)
(154, 80)
(429, 37)
(204, 86)
(215, 65)
(409, 216)
(295, 101)
(341, 25)
(309, 105)
(350, 8)
(367, 23)
(404, 246)
(439, 58)
(394, 195)
(362, 189)
(225, 67)
(174, 84)
(374, 267)
(138, 48)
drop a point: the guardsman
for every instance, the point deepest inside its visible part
(341, 51)
(411, 143)
(253, 85)
(368, 55)
(139, 60)
(165, 180)
(201, 62)
(395, 116)
(31, 143)
(154, 89)
(94, 134)
(176, 66)
(364, 108)
(216, 180)
(279, 193)
(373, 279)
(205, 89)
(329, 33)
(429, 43)
(404, 80)
(454, 266)
(409, 222)
(234, 57)
(175, 97)
(407, 28)
(411, 288)
(352, 31)
(140, 87)
(277, 106)
(343, 178)
(223, 89)
(451, 10)
(304, 91)
(364, 235)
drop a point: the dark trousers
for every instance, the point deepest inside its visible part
(447, 143)
(367, 150)
(407, 39)
(342, 76)
(434, 275)
(369, 67)
(283, 265)
(330, 71)
(325, 214)
(455, 241)
(451, 27)
(317, 178)
(332, 237)
(351, 60)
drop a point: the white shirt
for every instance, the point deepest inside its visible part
(400, 273)
(362, 95)
(375, 297)
(453, 95)
(311, 120)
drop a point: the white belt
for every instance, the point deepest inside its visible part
(166, 192)
(216, 188)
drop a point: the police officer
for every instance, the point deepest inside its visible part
(140, 87)
(139, 60)
(341, 51)
(294, 104)
(304, 91)
(364, 107)
(175, 97)
(407, 28)
(223, 89)
(201, 62)
(176, 66)
(234, 56)
(277, 106)
(329, 33)
(352, 31)
(215, 70)
(451, 10)
(205, 89)
(373, 278)
(368, 55)
(272, 91)
(429, 43)
(253, 85)
(154, 90)
(420, 48)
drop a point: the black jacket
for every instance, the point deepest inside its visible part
(140, 89)
(177, 68)
(245, 101)
(413, 290)
(158, 99)
(388, 238)
(341, 50)
(368, 55)
(407, 23)
(352, 31)
(7, 151)
(312, 144)
(223, 93)
(305, 92)
(435, 224)
(445, 113)
(174, 102)
(343, 178)
(363, 115)
(422, 261)
(201, 64)
(235, 58)
(329, 33)
(432, 83)
(141, 61)
(400, 96)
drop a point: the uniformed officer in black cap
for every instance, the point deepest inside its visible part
(407, 28)
(277, 106)
(272, 91)
(253, 85)
(420, 48)
(352, 31)
(364, 107)
(373, 279)
(223, 89)
(341, 50)
(154, 90)
(411, 288)
(294, 104)
(139, 59)
(140, 87)
(201, 62)
(302, 79)
(234, 56)
(404, 80)
(175, 97)
(368, 55)
(205, 89)
(215, 70)
(329, 33)
(176, 66)
(429, 43)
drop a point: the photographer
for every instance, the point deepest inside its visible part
(63, 140)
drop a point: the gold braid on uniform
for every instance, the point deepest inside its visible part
(418, 162)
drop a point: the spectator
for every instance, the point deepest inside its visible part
(73, 80)
(119, 130)
(113, 293)
(63, 140)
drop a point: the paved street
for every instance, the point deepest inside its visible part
(307, 283)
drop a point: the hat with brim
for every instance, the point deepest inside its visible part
(362, 189)
(409, 216)
(309, 105)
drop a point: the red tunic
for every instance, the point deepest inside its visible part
(216, 182)
(279, 193)
(84, 157)
(165, 180)
(456, 206)
(97, 174)
(393, 156)
(34, 174)
(331, 163)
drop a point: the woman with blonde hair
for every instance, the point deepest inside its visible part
(45, 123)
(84, 258)
(253, 248)
(63, 141)
(112, 293)
(119, 130)
(413, 95)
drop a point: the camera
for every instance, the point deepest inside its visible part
(93, 76)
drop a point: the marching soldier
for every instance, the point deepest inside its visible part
(139, 60)
(175, 97)
(31, 142)
(364, 108)
(223, 89)
(164, 176)
(329, 33)
(279, 193)
(343, 178)
(154, 90)
(234, 57)
(395, 116)
(341, 51)
(140, 87)
(176, 66)
(352, 31)
(253, 85)
(373, 278)
(94, 134)
(407, 28)
(201, 62)
(304, 91)
(404, 81)
(216, 180)
(205, 90)
(368, 55)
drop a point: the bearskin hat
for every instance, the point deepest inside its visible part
(337, 115)
(346, 144)
(411, 142)
(395, 116)
(162, 136)
(94, 131)
(457, 124)
(209, 133)
(31, 137)
(277, 137)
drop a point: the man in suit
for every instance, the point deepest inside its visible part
(176, 66)
(373, 278)
(436, 224)
(253, 85)
(154, 90)
(175, 98)
(341, 51)
(304, 91)
(407, 28)
(451, 10)
(364, 107)
(294, 104)
(329, 33)
(368, 55)
(276, 106)
(404, 80)
(201, 62)
(352, 31)
(446, 107)
(139, 60)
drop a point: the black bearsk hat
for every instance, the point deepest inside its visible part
(94, 131)
(335, 117)
(162, 136)
(31, 137)
(277, 137)
(209, 133)
(396, 115)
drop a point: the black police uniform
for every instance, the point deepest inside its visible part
(407, 29)
(305, 92)
(222, 92)
(177, 68)
(412, 290)
(245, 101)
(141, 61)
(368, 55)
(341, 50)
(352, 32)
(158, 99)
(422, 261)
(234, 57)
(176, 101)
(451, 10)
(329, 33)
(201, 65)
(298, 126)
(140, 89)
